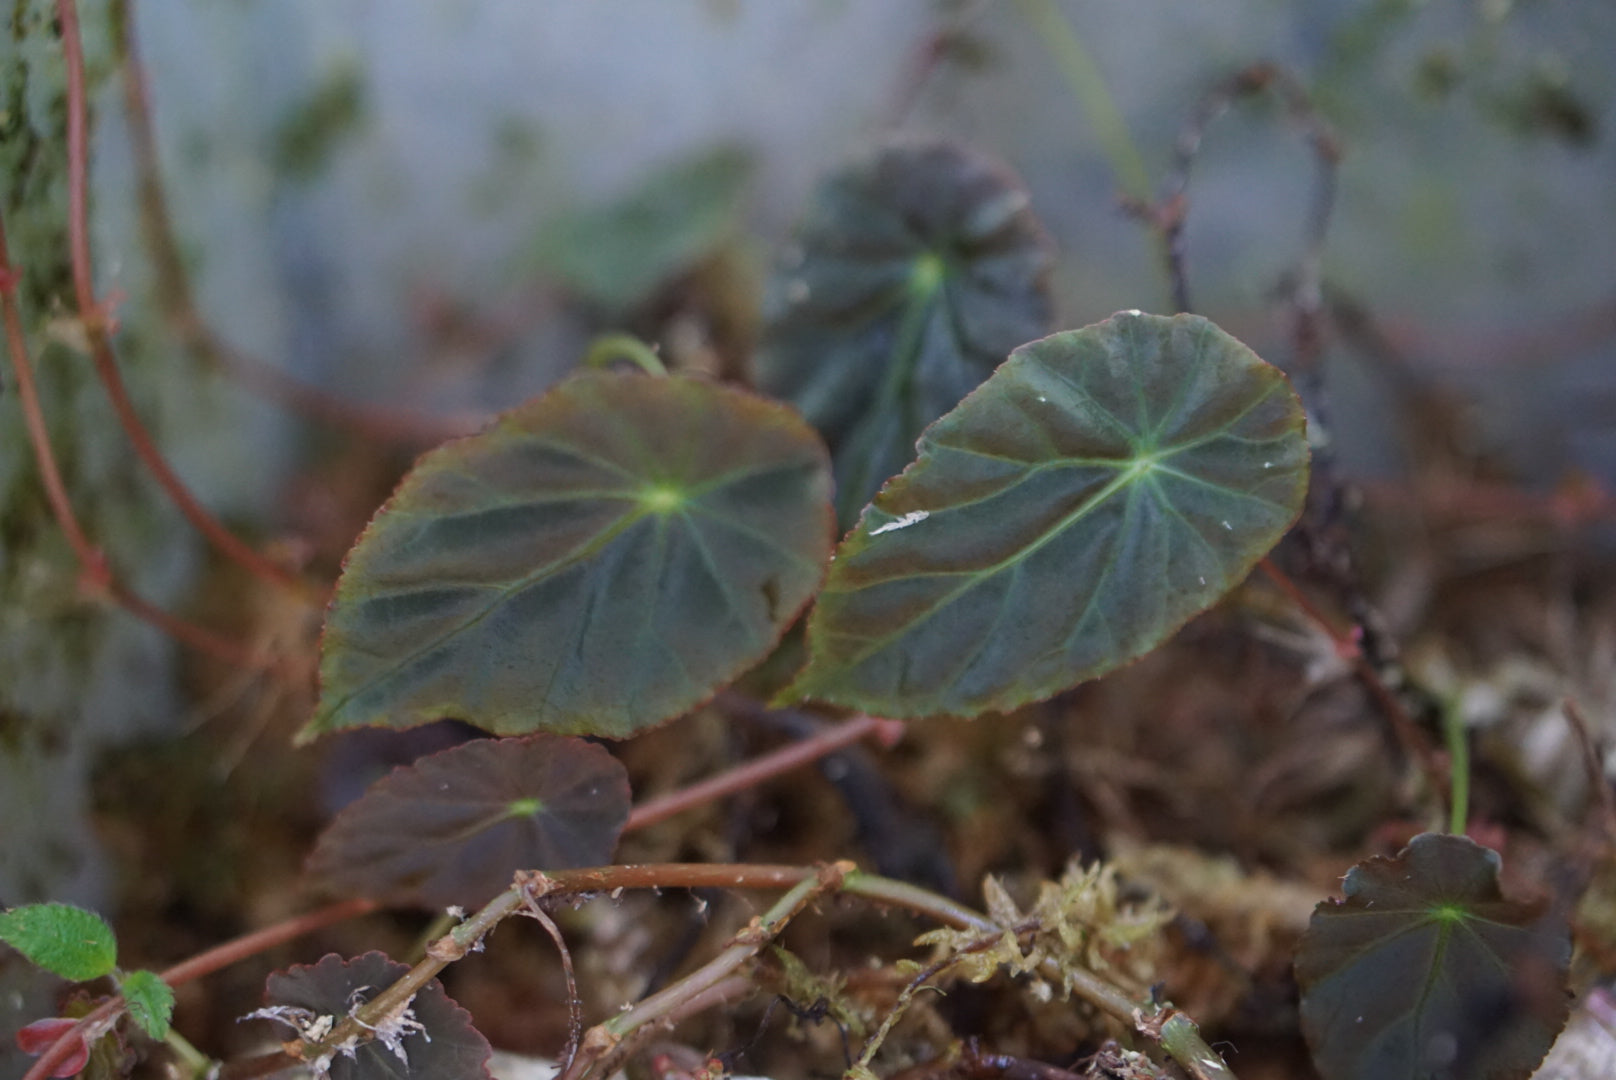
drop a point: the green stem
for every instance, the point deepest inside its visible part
(1083, 75)
(608, 347)
(1453, 731)
(743, 948)
(1183, 1043)
(194, 1063)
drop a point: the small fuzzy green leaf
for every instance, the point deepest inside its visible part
(69, 941)
(150, 1001)
(1425, 971)
(1100, 489)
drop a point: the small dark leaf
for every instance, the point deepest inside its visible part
(67, 940)
(444, 1047)
(603, 559)
(454, 827)
(1105, 485)
(915, 274)
(1425, 972)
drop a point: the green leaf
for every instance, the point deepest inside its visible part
(74, 943)
(618, 253)
(604, 558)
(1425, 972)
(1105, 485)
(914, 274)
(454, 827)
(150, 1001)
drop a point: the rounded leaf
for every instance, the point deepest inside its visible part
(433, 1040)
(1104, 486)
(63, 939)
(454, 827)
(1425, 972)
(912, 277)
(602, 559)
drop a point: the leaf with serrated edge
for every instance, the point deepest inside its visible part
(1100, 489)
(1424, 971)
(603, 559)
(444, 1047)
(913, 275)
(67, 940)
(150, 1001)
(454, 827)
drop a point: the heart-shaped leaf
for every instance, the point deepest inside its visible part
(433, 1039)
(602, 559)
(911, 279)
(1105, 485)
(454, 827)
(1425, 972)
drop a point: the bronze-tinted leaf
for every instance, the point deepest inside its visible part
(912, 277)
(1105, 485)
(444, 1045)
(604, 558)
(454, 827)
(1424, 971)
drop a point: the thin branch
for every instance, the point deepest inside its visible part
(95, 575)
(177, 302)
(232, 952)
(763, 768)
(97, 325)
(925, 58)
(1413, 740)
(1087, 83)
(575, 1004)
(92, 563)
(1597, 780)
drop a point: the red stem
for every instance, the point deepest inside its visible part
(764, 768)
(1414, 742)
(178, 304)
(96, 328)
(95, 573)
(206, 963)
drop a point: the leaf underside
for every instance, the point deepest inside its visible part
(1425, 972)
(448, 1049)
(455, 826)
(1100, 489)
(603, 559)
(912, 277)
